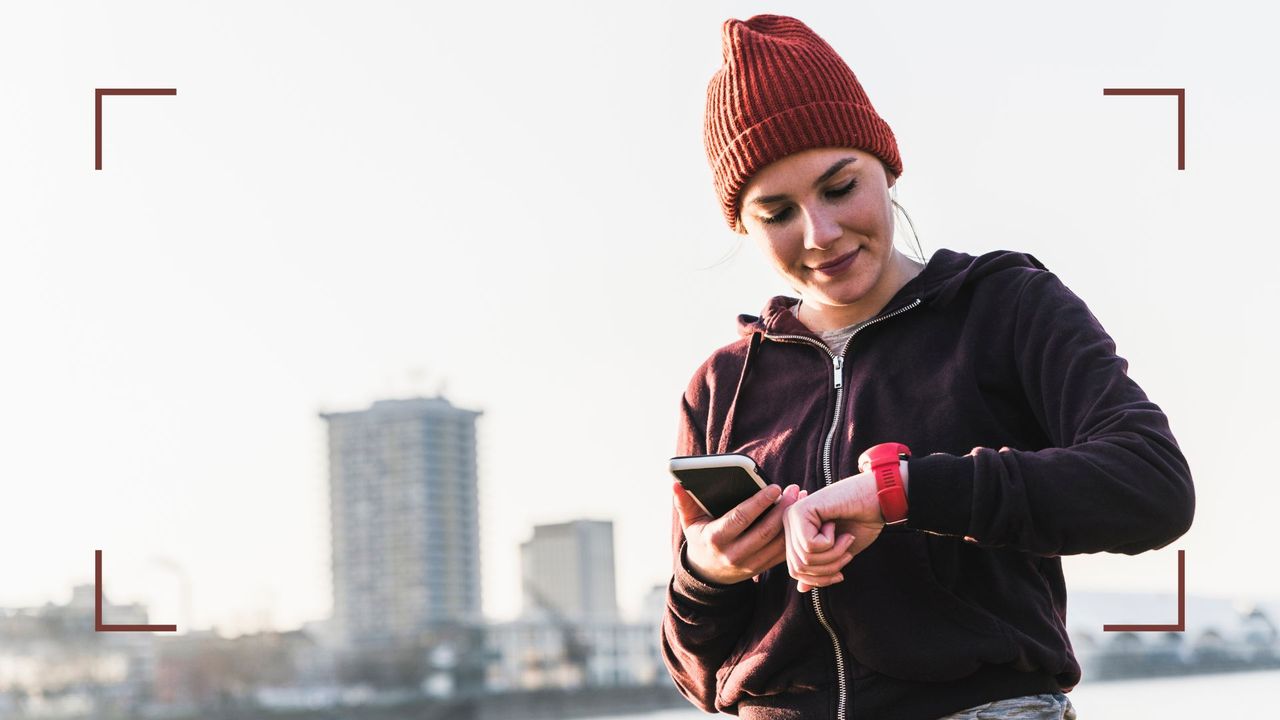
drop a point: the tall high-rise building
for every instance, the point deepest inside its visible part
(568, 572)
(404, 520)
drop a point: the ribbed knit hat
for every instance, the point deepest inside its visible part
(781, 90)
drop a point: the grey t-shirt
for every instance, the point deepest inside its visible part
(835, 339)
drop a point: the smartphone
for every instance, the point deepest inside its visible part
(718, 482)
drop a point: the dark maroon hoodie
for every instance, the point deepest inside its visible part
(964, 603)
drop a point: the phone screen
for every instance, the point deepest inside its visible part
(718, 489)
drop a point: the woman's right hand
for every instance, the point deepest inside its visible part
(729, 549)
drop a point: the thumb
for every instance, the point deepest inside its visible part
(814, 534)
(688, 508)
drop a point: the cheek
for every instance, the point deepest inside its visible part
(883, 211)
(781, 247)
(867, 210)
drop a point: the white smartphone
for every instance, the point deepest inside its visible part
(718, 482)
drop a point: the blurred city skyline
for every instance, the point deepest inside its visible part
(511, 201)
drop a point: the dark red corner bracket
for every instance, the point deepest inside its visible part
(1181, 94)
(97, 113)
(100, 626)
(1181, 625)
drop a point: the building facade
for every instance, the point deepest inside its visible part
(568, 574)
(404, 517)
(53, 663)
(537, 654)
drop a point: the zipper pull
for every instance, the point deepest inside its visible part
(838, 361)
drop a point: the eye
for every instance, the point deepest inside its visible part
(777, 217)
(782, 215)
(842, 191)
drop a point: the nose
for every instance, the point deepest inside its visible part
(821, 229)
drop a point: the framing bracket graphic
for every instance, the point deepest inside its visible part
(1181, 625)
(100, 626)
(1181, 94)
(97, 113)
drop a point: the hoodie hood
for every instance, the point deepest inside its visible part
(943, 278)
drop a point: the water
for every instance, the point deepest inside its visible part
(1228, 696)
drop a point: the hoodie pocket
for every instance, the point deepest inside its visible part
(902, 621)
(781, 650)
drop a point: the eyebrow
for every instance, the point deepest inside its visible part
(835, 168)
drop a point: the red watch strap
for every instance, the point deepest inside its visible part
(884, 460)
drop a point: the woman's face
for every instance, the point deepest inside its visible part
(824, 219)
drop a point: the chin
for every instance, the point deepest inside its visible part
(846, 296)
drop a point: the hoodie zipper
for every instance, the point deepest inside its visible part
(837, 366)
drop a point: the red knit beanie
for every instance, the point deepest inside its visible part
(782, 89)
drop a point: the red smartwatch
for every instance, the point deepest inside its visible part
(882, 460)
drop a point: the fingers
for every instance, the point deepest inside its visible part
(770, 526)
(729, 526)
(771, 555)
(809, 562)
(807, 533)
(808, 582)
(766, 539)
(824, 568)
(721, 549)
(688, 508)
(805, 583)
(816, 555)
(826, 537)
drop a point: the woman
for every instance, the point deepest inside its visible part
(1004, 430)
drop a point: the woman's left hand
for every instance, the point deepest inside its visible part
(826, 529)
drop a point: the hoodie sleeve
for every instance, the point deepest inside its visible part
(1114, 480)
(703, 621)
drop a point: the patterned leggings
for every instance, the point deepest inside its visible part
(1050, 706)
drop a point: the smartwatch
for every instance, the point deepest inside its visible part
(883, 461)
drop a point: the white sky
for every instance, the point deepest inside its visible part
(347, 201)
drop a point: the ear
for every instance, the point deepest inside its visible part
(890, 177)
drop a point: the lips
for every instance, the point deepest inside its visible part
(830, 268)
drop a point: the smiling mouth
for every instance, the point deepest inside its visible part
(837, 262)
